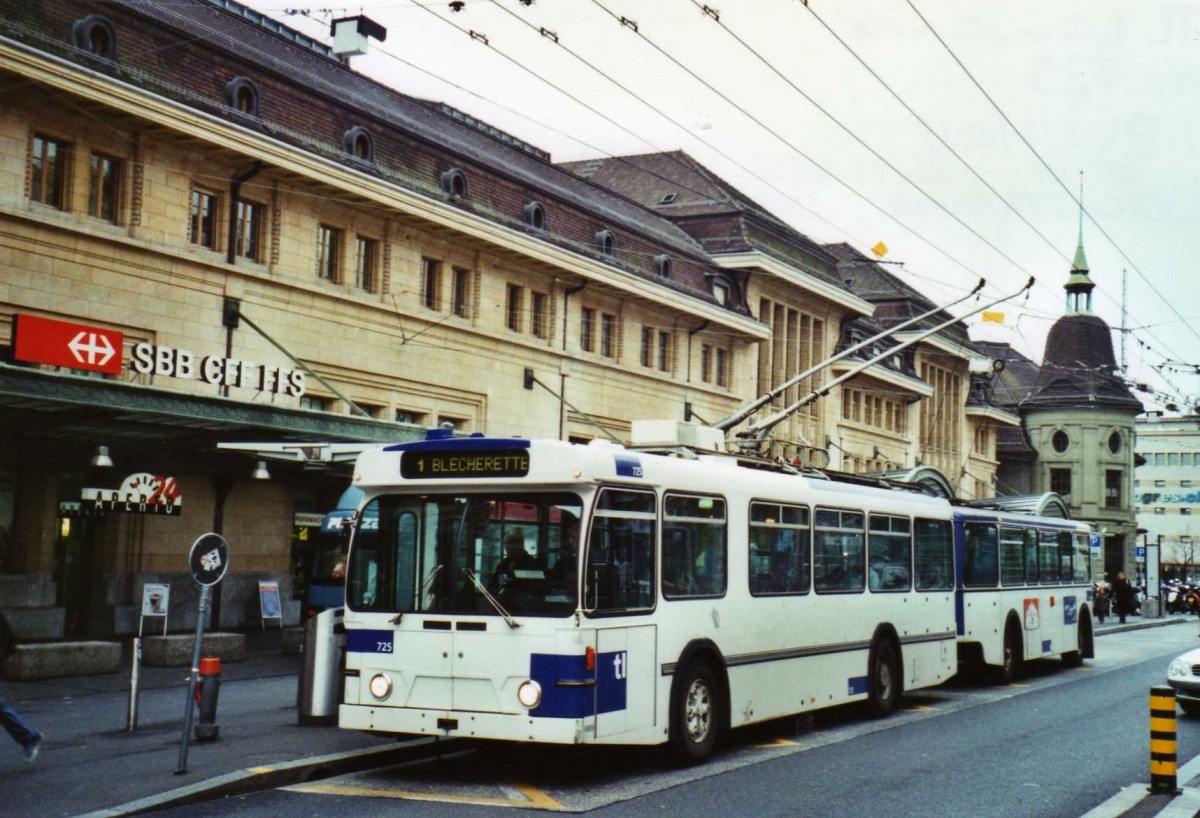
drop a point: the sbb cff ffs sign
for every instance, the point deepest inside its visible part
(61, 343)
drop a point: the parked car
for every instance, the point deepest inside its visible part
(1183, 674)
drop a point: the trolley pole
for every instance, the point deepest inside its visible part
(1162, 741)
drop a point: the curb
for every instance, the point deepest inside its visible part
(273, 776)
(1158, 622)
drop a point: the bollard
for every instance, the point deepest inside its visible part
(208, 687)
(1162, 741)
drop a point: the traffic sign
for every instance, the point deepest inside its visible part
(209, 559)
(1141, 552)
(61, 343)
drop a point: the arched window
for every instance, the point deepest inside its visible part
(359, 143)
(606, 242)
(95, 35)
(535, 215)
(662, 265)
(454, 183)
(241, 95)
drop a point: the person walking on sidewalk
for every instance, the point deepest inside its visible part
(24, 735)
(1123, 595)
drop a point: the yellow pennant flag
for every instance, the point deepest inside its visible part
(992, 317)
(880, 249)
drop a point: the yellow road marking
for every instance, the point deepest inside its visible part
(778, 742)
(536, 798)
(261, 770)
(916, 708)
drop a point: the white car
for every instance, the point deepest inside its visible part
(1183, 674)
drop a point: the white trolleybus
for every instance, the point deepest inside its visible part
(544, 591)
(1024, 589)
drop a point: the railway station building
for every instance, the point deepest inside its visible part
(213, 230)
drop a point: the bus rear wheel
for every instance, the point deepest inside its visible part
(1010, 666)
(883, 678)
(694, 714)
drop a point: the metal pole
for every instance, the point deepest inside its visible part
(131, 724)
(205, 594)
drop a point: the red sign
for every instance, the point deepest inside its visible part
(59, 343)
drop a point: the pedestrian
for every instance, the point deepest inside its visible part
(1123, 596)
(29, 739)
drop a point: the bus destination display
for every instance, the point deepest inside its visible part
(443, 465)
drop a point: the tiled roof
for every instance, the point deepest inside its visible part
(680, 188)
(1079, 368)
(244, 38)
(895, 300)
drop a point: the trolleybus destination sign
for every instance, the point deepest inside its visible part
(444, 465)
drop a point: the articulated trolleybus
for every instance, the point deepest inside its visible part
(544, 591)
(1024, 589)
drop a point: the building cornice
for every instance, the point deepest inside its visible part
(915, 386)
(993, 414)
(958, 349)
(794, 275)
(177, 117)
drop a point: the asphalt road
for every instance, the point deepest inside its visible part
(1057, 744)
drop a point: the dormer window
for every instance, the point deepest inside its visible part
(606, 243)
(667, 198)
(662, 265)
(95, 35)
(359, 143)
(534, 215)
(454, 183)
(721, 290)
(242, 96)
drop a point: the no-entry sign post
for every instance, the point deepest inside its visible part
(207, 561)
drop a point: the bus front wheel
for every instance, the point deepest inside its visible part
(694, 714)
(883, 678)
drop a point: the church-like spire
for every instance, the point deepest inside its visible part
(1079, 284)
(1080, 265)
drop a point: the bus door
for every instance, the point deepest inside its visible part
(625, 674)
(619, 583)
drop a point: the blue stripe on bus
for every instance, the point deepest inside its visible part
(370, 641)
(577, 699)
(467, 444)
(857, 685)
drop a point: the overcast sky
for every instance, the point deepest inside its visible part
(1099, 86)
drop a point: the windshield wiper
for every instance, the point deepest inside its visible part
(495, 603)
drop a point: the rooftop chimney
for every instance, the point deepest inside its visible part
(350, 35)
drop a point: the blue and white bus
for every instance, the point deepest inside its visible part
(1024, 589)
(528, 590)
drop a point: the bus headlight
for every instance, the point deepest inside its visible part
(529, 694)
(380, 686)
(1179, 668)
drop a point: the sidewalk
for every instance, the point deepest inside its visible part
(91, 764)
(89, 761)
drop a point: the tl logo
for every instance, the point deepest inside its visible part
(620, 666)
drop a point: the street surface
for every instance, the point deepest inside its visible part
(1057, 744)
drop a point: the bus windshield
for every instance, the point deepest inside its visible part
(437, 553)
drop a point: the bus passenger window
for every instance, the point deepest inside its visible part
(1064, 556)
(619, 573)
(838, 545)
(1048, 556)
(1031, 556)
(779, 549)
(980, 557)
(693, 546)
(1083, 559)
(934, 546)
(889, 554)
(1012, 560)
